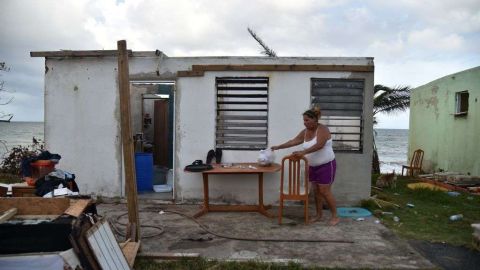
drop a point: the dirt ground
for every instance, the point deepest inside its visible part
(372, 244)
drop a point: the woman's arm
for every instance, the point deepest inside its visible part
(293, 142)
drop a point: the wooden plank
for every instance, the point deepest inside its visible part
(199, 70)
(127, 139)
(130, 251)
(35, 205)
(354, 68)
(69, 53)
(23, 191)
(78, 207)
(8, 214)
(3, 191)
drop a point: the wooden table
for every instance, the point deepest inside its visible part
(237, 168)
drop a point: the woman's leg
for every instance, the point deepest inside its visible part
(326, 192)
(318, 200)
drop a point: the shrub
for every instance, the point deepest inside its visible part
(12, 160)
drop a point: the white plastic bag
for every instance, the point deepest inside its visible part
(265, 157)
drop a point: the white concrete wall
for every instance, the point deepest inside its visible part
(289, 97)
(82, 122)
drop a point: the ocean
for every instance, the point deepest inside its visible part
(18, 133)
(392, 148)
(392, 144)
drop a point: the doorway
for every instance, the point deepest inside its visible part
(156, 133)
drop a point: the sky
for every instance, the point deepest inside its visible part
(413, 42)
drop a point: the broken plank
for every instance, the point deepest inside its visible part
(130, 250)
(8, 214)
(78, 207)
(35, 205)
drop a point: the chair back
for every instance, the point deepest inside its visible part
(417, 159)
(294, 178)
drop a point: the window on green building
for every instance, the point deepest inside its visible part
(461, 103)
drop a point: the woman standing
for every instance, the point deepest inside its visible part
(317, 148)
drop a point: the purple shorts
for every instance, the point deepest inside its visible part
(323, 174)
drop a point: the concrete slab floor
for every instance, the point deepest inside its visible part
(374, 246)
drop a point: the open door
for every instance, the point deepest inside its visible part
(160, 133)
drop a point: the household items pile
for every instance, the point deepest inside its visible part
(66, 230)
(40, 172)
(454, 181)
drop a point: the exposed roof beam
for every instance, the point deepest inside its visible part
(94, 53)
(199, 70)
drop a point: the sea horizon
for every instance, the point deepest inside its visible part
(44, 121)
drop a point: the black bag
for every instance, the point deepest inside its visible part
(198, 166)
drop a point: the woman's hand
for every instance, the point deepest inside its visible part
(298, 154)
(273, 148)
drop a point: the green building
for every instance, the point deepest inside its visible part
(445, 123)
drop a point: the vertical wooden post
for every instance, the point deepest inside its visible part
(127, 142)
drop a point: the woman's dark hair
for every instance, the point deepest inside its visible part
(313, 113)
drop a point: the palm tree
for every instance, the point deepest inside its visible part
(388, 100)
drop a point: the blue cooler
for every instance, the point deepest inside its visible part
(144, 171)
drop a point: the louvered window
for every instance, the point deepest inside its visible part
(341, 103)
(242, 113)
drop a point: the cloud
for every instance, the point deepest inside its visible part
(435, 39)
(405, 37)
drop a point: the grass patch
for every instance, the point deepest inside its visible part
(429, 218)
(7, 178)
(203, 264)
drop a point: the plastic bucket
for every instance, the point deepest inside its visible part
(40, 168)
(144, 171)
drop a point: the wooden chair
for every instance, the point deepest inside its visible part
(415, 163)
(291, 188)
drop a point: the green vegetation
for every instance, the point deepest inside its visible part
(6, 178)
(203, 264)
(428, 219)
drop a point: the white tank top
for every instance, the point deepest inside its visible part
(319, 157)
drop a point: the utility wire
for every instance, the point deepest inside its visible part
(205, 228)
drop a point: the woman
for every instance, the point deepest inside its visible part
(317, 148)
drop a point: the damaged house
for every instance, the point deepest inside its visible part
(445, 123)
(181, 107)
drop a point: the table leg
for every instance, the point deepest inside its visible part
(261, 208)
(205, 206)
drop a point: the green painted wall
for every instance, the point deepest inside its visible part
(451, 143)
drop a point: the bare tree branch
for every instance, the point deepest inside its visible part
(4, 68)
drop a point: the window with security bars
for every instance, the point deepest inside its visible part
(242, 113)
(341, 104)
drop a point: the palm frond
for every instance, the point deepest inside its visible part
(266, 50)
(389, 100)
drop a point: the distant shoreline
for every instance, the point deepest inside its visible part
(44, 122)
